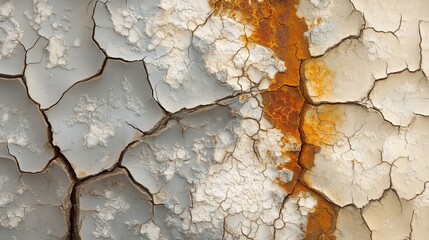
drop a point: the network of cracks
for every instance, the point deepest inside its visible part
(175, 119)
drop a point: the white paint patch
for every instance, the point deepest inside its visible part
(58, 53)
(10, 32)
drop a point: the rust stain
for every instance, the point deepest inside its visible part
(307, 155)
(321, 222)
(291, 165)
(319, 77)
(276, 26)
(319, 125)
(282, 109)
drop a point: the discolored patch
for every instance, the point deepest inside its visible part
(319, 78)
(319, 125)
(276, 26)
(321, 222)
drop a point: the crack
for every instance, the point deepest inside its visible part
(91, 78)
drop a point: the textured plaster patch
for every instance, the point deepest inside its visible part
(97, 119)
(193, 58)
(350, 225)
(22, 127)
(235, 169)
(424, 33)
(150, 230)
(111, 207)
(27, 200)
(61, 63)
(391, 159)
(57, 50)
(342, 171)
(389, 218)
(294, 216)
(42, 11)
(329, 22)
(402, 96)
(392, 217)
(11, 51)
(11, 34)
(410, 171)
(207, 158)
(393, 13)
(420, 215)
(350, 70)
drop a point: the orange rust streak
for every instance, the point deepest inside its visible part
(319, 77)
(319, 125)
(307, 155)
(321, 223)
(293, 166)
(282, 108)
(276, 26)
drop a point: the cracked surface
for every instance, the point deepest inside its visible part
(228, 119)
(69, 55)
(329, 22)
(112, 207)
(206, 159)
(96, 120)
(401, 97)
(34, 205)
(355, 176)
(23, 130)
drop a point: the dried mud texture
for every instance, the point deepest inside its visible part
(23, 130)
(112, 207)
(214, 119)
(34, 206)
(97, 119)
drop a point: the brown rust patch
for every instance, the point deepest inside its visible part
(321, 222)
(282, 109)
(319, 129)
(308, 151)
(291, 165)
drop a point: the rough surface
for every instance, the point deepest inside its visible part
(387, 214)
(329, 22)
(112, 207)
(351, 225)
(197, 159)
(70, 54)
(337, 76)
(34, 206)
(214, 119)
(23, 129)
(402, 96)
(424, 44)
(96, 120)
(193, 58)
(356, 176)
